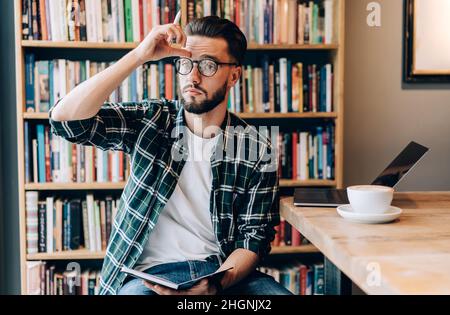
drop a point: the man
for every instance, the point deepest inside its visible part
(181, 217)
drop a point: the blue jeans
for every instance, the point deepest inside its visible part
(257, 283)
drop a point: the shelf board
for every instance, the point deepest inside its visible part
(302, 249)
(38, 116)
(309, 182)
(129, 46)
(286, 115)
(77, 45)
(84, 254)
(253, 46)
(80, 254)
(35, 116)
(75, 186)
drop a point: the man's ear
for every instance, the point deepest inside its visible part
(235, 75)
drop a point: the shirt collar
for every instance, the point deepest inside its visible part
(180, 123)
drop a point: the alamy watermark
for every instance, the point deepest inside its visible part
(235, 143)
(374, 17)
(373, 278)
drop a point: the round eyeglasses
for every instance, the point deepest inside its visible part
(206, 67)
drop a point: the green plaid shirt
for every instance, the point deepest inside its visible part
(244, 195)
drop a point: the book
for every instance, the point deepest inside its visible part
(216, 276)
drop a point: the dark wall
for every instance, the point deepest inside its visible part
(9, 208)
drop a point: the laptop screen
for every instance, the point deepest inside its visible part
(401, 165)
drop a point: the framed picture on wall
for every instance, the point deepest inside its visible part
(426, 56)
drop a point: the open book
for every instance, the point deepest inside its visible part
(169, 284)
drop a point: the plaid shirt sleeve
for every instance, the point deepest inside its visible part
(114, 127)
(257, 220)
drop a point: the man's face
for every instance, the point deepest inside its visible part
(202, 94)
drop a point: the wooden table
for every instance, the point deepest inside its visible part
(408, 256)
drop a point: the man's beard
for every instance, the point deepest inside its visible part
(208, 104)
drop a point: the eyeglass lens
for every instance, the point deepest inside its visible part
(206, 67)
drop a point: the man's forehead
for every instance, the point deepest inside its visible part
(200, 46)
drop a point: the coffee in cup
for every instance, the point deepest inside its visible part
(370, 198)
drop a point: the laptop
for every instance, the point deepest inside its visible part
(391, 176)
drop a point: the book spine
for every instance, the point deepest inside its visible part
(25, 20)
(105, 15)
(266, 86)
(29, 82)
(63, 20)
(98, 237)
(76, 224)
(32, 221)
(35, 20)
(141, 20)
(48, 175)
(283, 85)
(42, 228)
(41, 152)
(320, 152)
(294, 155)
(328, 4)
(136, 20)
(28, 155)
(65, 235)
(128, 21)
(103, 220)
(162, 81)
(318, 279)
(251, 90)
(43, 19)
(49, 219)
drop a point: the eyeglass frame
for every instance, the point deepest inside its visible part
(218, 63)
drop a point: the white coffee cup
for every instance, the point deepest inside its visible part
(370, 198)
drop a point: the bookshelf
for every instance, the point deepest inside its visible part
(334, 53)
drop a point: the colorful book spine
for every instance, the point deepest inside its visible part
(129, 36)
(29, 83)
(32, 221)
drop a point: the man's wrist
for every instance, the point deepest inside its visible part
(138, 58)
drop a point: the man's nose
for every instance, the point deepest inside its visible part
(195, 75)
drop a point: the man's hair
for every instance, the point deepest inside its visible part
(215, 27)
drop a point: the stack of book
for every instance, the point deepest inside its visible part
(263, 22)
(48, 81)
(62, 224)
(277, 86)
(283, 86)
(273, 21)
(299, 278)
(45, 279)
(51, 159)
(307, 154)
(94, 20)
(286, 235)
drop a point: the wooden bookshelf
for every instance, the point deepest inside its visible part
(335, 51)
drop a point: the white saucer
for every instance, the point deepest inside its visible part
(347, 212)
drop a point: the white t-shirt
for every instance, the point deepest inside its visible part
(184, 229)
